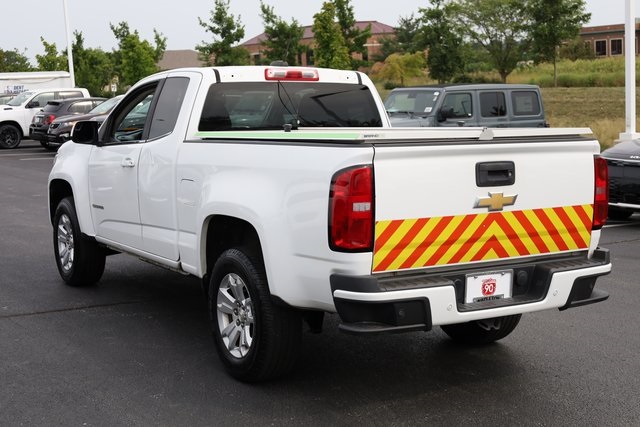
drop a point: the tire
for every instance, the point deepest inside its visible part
(48, 146)
(619, 214)
(80, 260)
(9, 136)
(256, 340)
(482, 331)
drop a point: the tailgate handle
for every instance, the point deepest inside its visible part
(495, 174)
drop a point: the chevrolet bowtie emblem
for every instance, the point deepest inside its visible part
(495, 201)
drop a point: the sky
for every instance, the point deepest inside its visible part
(25, 21)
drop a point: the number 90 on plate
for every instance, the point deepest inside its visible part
(488, 286)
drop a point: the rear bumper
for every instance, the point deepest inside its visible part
(37, 134)
(369, 304)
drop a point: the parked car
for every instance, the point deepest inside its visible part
(484, 105)
(59, 108)
(6, 97)
(17, 114)
(623, 160)
(60, 128)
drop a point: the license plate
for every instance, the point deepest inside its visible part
(488, 286)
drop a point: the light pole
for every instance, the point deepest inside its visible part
(69, 50)
(630, 72)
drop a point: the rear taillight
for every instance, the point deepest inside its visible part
(601, 194)
(48, 119)
(351, 210)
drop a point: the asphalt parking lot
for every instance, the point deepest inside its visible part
(136, 349)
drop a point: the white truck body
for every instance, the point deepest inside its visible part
(465, 224)
(18, 82)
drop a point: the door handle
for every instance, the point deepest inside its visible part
(127, 162)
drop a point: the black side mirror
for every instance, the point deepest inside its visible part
(444, 113)
(85, 132)
(33, 104)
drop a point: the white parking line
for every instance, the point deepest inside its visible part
(37, 158)
(23, 153)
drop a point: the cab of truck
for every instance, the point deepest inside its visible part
(482, 105)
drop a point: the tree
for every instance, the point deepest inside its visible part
(283, 40)
(136, 58)
(330, 48)
(13, 61)
(226, 31)
(443, 39)
(405, 40)
(354, 39)
(52, 60)
(576, 49)
(93, 68)
(398, 67)
(552, 23)
(499, 26)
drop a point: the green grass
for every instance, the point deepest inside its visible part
(600, 108)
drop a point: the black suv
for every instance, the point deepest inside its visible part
(60, 129)
(58, 108)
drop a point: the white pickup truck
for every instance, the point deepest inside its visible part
(288, 193)
(17, 114)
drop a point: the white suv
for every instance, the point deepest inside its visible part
(16, 116)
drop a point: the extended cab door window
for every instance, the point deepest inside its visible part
(168, 107)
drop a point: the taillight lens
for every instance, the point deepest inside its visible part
(351, 210)
(48, 119)
(299, 74)
(601, 195)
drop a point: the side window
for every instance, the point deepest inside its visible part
(69, 94)
(525, 103)
(168, 106)
(80, 107)
(130, 121)
(457, 106)
(42, 99)
(493, 104)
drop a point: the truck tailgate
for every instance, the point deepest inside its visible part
(440, 203)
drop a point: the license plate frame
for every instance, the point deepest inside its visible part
(488, 286)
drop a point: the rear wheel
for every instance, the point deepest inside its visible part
(256, 339)
(9, 136)
(79, 259)
(482, 331)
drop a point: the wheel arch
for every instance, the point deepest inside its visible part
(225, 232)
(58, 190)
(15, 124)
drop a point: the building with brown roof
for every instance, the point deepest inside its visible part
(179, 59)
(378, 31)
(607, 40)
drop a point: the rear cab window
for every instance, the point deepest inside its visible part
(272, 105)
(525, 103)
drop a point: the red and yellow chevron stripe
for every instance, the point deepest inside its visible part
(424, 242)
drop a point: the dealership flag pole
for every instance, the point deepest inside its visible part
(630, 72)
(69, 51)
